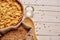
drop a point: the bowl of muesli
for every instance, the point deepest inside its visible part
(11, 14)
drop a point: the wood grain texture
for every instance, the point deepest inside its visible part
(46, 17)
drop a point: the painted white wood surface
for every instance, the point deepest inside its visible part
(46, 17)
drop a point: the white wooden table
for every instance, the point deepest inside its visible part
(46, 17)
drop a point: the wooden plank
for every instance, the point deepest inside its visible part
(44, 2)
(55, 38)
(42, 37)
(47, 28)
(48, 37)
(47, 13)
(46, 16)
(44, 8)
(47, 8)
